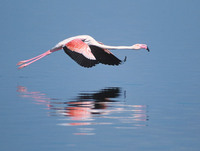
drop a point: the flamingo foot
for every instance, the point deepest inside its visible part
(21, 62)
(22, 66)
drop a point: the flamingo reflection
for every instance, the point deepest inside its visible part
(90, 107)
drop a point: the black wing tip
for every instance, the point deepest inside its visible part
(120, 62)
(125, 59)
(105, 57)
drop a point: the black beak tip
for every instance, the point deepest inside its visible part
(148, 49)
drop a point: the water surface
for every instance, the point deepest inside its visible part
(151, 102)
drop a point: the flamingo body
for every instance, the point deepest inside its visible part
(86, 51)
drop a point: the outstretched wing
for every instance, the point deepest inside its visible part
(104, 56)
(81, 53)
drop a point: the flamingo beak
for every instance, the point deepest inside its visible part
(144, 46)
(148, 49)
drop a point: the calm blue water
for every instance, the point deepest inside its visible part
(151, 102)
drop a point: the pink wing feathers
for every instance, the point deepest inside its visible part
(80, 52)
(88, 56)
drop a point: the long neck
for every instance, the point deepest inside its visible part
(91, 41)
(116, 47)
(112, 47)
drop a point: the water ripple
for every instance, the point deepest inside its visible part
(107, 106)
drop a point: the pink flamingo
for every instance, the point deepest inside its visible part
(86, 51)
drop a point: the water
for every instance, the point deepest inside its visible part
(91, 108)
(151, 102)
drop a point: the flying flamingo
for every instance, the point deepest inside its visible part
(86, 51)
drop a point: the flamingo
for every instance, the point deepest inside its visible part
(86, 51)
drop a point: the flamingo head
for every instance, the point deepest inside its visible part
(140, 46)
